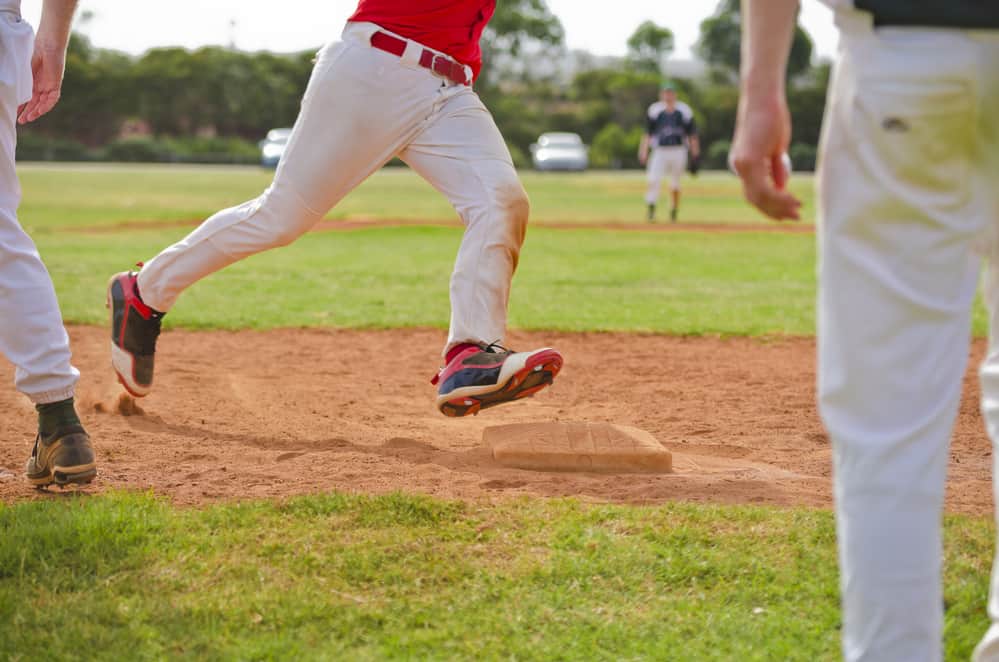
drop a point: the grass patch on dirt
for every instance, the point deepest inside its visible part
(126, 576)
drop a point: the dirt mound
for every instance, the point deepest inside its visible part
(266, 414)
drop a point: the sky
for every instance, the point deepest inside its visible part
(134, 26)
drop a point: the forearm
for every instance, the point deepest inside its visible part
(695, 144)
(643, 148)
(768, 29)
(56, 23)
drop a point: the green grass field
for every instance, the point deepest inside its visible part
(401, 577)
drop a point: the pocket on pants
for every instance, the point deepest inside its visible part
(922, 136)
(17, 40)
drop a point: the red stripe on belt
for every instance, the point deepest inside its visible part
(440, 65)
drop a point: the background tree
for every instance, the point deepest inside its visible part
(518, 28)
(719, 43)
(649, 46)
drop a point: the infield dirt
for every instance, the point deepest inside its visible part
(272, 413)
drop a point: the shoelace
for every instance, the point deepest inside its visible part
(493, 346)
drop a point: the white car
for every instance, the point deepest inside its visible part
(272, 147)
(559, 151)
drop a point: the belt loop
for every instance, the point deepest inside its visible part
(411, 56)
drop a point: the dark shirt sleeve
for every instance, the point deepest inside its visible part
(650, 124)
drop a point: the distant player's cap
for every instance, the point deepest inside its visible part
(668, 85)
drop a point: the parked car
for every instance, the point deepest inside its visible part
(272, 147)
(559, 151)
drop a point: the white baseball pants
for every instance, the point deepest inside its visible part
(362, 107)
(665, 162)
(32, 336)
(907, 191)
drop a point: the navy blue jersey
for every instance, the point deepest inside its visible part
(670, 129)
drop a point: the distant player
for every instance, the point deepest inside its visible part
(671, 131)
(398, 84)
(32, 335)
(909, 163)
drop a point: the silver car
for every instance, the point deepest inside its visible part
(272, 147)
(559, 151)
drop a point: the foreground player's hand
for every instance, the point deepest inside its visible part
(762, 134)
(47, 65)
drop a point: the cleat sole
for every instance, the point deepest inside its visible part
(539, 372)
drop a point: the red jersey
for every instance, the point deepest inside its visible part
(449, 26)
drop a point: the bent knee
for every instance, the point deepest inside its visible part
(514, 207)
(287, 218)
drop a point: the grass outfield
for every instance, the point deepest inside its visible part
(682, 283)
(388, 277)
(109, 195)
(402, 577)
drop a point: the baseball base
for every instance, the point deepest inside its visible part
(601, 447)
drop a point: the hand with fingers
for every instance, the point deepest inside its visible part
(763, 132)
(48, 62)
(47, 66)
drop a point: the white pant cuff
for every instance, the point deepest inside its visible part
(48, 397)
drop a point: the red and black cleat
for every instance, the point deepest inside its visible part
(483, 376)
(134, 330)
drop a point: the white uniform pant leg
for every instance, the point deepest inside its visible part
(362, 105)
(665, 162)
(988, 648)
(897, 278)
(462, 154)
(32, 335)
(676, 165)
(655, 170)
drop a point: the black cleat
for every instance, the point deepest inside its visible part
(134, 330)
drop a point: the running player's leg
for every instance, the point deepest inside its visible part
(361, 105)
(463, 155)
(32, 335)
(897, 278)
(655, 170)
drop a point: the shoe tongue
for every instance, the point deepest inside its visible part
(62, 432)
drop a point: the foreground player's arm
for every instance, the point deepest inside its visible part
(643, 148)
(763, 124)
(49, 59)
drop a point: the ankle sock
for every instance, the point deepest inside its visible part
(53, 416)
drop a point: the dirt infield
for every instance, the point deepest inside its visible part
(262, 414)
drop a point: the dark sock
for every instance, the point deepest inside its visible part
(457, 349)
(54, 416)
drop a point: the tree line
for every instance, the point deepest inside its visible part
(213, 104)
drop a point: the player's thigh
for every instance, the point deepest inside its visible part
(658, 165)
(676, 163)
(461, 153)
(360, 107)
(899, 214)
